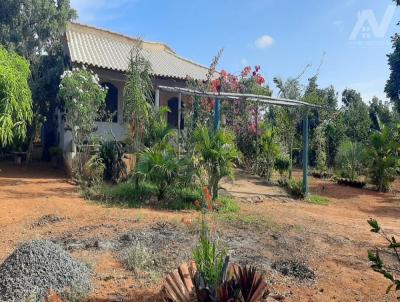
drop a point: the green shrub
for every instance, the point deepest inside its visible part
(93, 171)
(217, 152)
(349, 159)
(269, 152)
(383, 160)
(159, 166)
(112, 153)
(182, 198)
(282, 164)
(294, 188)
(138, 259)
(228, 205)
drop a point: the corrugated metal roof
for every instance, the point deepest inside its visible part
(104, 49)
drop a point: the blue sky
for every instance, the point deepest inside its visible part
(282, 36)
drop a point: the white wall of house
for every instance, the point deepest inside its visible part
(117, 130)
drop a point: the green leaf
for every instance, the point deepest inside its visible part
(375, 225)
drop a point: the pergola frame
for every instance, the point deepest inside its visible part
(269, 100)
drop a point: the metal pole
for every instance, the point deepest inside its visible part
(179, 123)
(305, 154)
(157, 98)
(217, 113)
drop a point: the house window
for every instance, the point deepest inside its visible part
(111, 106)
(173, 114)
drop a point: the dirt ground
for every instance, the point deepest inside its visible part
(329, 242)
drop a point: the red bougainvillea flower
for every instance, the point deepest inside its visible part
(260, 80)
(216, 85)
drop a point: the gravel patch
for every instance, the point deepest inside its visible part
(38, 266)
(294, 269)
(48, 219)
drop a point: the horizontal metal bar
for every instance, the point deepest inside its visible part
(239, 96)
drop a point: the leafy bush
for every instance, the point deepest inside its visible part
(228, 205)
(294, 188)
(138, 258)
(218, 152)
(112, 153)
(282, 164)
(93, 170)
(179, 197)
(159, 132)
(383, 157)
(378, 264)
(160, 167)
(269, 152)
(349, 159)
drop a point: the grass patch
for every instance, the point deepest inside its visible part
(319, 200)
(228, 205)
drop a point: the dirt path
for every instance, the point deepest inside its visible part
(331, 240)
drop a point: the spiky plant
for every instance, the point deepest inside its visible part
(383, 157)
(160, 167)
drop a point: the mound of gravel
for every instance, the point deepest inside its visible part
(38, 266)
(294, 269)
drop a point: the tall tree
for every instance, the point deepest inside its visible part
(355, 116)
(138, 95)
(34, 29)
(380, 112)
(350, 96)
(392, 88)
(288, 118)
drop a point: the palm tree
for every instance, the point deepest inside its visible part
(160, 167)
(383, 153)
(218, 152)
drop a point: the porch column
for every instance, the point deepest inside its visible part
(305, 154)
(157, 98)
(217, 113)
(179, 123)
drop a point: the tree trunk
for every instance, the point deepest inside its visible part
(32, 132)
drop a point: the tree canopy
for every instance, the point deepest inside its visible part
(34, 29)
(15, 97)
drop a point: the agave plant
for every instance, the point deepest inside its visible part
(218, 153)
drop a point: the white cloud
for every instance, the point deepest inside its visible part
(264, 41)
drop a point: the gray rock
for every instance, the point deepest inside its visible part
(38, 266)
